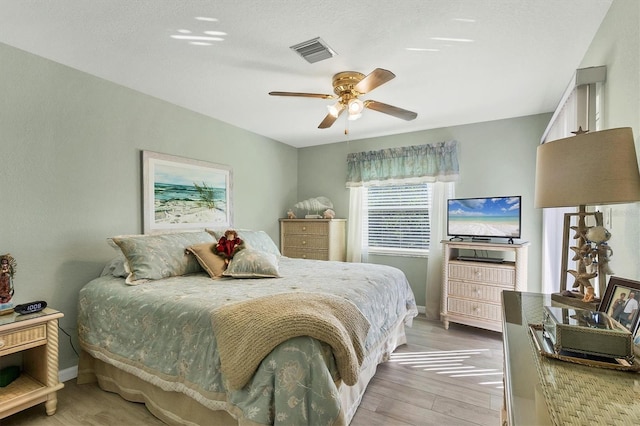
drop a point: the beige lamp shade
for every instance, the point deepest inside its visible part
(588, 169)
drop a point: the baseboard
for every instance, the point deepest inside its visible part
(68, 374)
(422, 309)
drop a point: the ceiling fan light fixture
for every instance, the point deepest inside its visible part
(353, 117)
(355, 107)
(335, 109)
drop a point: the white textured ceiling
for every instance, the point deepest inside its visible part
(522, 56)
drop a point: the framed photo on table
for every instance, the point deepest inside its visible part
(622, 302)
(181, 193)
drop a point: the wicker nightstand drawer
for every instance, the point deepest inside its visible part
(26, 336)
(307, 228)
(486, 311)
(484, 274)
(303, 241)
(306, 253)
(480, 292)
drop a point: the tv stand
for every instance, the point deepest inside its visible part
(480, 240)
(481, 259)
(472, 285)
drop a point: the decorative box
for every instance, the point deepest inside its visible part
(587, 332)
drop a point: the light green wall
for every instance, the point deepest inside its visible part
(71, 176)
(617, 45)
(496, 158)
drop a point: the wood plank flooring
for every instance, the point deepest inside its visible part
(416, 387)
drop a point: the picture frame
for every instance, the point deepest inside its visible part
(619, 289)
(182, 193)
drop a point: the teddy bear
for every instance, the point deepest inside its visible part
(228, 245)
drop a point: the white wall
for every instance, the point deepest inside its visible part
(617, 45)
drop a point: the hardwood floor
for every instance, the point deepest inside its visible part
(418, 386)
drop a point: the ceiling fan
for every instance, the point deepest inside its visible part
(348, 86)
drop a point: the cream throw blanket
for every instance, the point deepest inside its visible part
(248, 331)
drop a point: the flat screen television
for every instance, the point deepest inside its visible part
(484, 218)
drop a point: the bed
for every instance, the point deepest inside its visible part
(160, 339)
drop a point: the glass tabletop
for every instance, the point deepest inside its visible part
(13, 317)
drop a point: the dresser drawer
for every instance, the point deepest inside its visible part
(303, 241)
(500, 275)
(309, 228)
(469, 290)
(303, 253)
(22, 337)
(476, 309)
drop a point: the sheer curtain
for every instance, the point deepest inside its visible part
(566, 121)
(580, 107)
(441, 192)
(405, 165)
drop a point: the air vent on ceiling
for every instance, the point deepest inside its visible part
(314, 50)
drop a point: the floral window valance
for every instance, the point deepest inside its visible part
(409, 164)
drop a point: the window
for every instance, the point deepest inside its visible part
(398, 218)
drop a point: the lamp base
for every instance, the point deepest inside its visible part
(575, 300)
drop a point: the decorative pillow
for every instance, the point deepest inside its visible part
(258, 240)
(210, 262)
(151, 257)
(116, 267)
(252, 263)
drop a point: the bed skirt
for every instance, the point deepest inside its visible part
(175, 408)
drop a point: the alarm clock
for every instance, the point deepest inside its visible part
(30, 308)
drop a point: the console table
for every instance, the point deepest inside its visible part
(543, 391)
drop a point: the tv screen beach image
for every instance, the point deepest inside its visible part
(487, 217)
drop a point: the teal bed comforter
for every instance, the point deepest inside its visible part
(161, 332)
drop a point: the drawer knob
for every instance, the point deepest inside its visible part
(304, 242)
(304, 256)
(2, 343)
(304, 228)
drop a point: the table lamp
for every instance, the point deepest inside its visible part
(593, 168)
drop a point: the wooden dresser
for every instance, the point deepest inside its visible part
(320, 239)
(473, 280)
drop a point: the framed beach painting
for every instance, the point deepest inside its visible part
(181, 193)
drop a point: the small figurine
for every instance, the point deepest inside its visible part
(228, 245)
(329, 214)
(291, 214)
(589, 294)
(7, 271)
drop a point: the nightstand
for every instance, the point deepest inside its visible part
(35, 338)
(320, 239)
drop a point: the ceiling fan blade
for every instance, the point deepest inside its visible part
(303, 95)
(376, 78)
(391, 110)
(329, 120)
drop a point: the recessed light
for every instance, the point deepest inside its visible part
(464, 20)
(196, 38)
(216, 33)
(199, 43)
(421, 49)
(460, 40)
(204, 18)
(184, 31)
